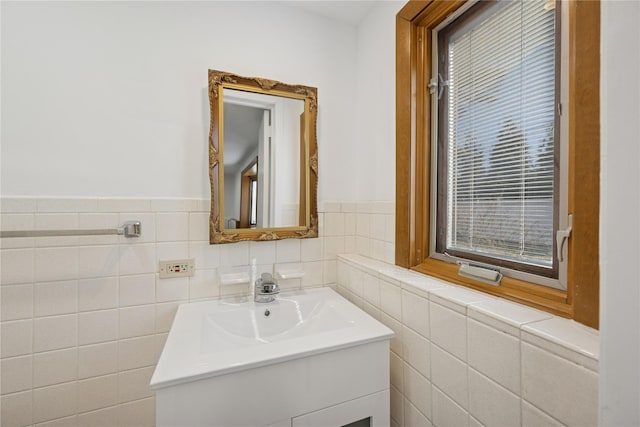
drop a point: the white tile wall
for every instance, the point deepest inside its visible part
(83, 319)
(461, 358)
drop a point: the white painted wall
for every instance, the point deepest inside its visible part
(620, 215)
(375, 112)
(109, 99)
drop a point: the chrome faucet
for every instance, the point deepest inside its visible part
(266, 288)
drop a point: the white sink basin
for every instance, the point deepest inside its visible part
(218, 337)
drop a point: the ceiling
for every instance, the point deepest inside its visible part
(348, 11)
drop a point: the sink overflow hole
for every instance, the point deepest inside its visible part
(267, 312)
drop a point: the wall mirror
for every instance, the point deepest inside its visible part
(263, 159)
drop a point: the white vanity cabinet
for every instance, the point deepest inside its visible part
(329, 389)
(325, 364)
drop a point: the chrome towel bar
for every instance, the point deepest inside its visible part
(128, 229)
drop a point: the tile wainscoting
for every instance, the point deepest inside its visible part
(84, 319)
(463, 358)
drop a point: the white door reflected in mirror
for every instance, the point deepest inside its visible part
(263, 174)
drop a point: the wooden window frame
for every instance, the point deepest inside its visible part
(580, 302)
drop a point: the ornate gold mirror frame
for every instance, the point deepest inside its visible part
(218, 80)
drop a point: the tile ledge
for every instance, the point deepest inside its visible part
(562, 332)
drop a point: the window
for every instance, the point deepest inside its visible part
(503, 145)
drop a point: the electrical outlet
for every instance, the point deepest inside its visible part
(177, 268)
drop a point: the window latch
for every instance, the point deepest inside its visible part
(562, 236)
(437, 83)
(479, 273)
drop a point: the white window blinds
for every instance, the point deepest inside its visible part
(499, 132)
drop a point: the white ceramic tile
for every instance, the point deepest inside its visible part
(417, 283)
(137, 290)
(199, 226)
(312, 274)
(55, 298)
(17, 266)
(448, 330)
(172, 227)
(457, 298)
(204, 254)
(348, 207)
(363, 246)
(16, 374)
(415, 313)
(350, 244)
(140, 413)
(53, 264)
(497, 312)
(161, 339)
(395, 344)
(147, 227)
(492, 404)
(17, 409)
(97, 393)
(363, 225)
(350, 224)
(371, 289)
(137, 259)
(449, 374)
(494, 353)
(569, 334)
(17, 222)
(97, 326)
(172, 289)
(16, 302)
(97, 294)
(334, 224)
(533, 417)
(100, 418)
(377, 226)
(262, 252)
(396, 369)
(329, 271)
(311, 249)
(378, 249)
(204, 284)
(71, 421)
(332, 247)
(134, 384)
(396, 406)
(165, 314)
(58, 221)
(234, 254)
(474, 423)
(55, 367)
(389, 253)
(416, 351)
(541, 368)
(123, 205)
(391, 299)
(54, 402)
(288, 250)
(67, 204)
(413, 417)
(137, 321)
(446, 412)
(137, 352)
(98, 261)
(17, 338)
(97, 221)
(18, 204)
(356, 281)
(98, 359)
(174, 205)
(417, 389)
(331, 206)
(390, 228)
(56, 332)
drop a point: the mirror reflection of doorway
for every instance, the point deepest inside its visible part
(249, 196)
